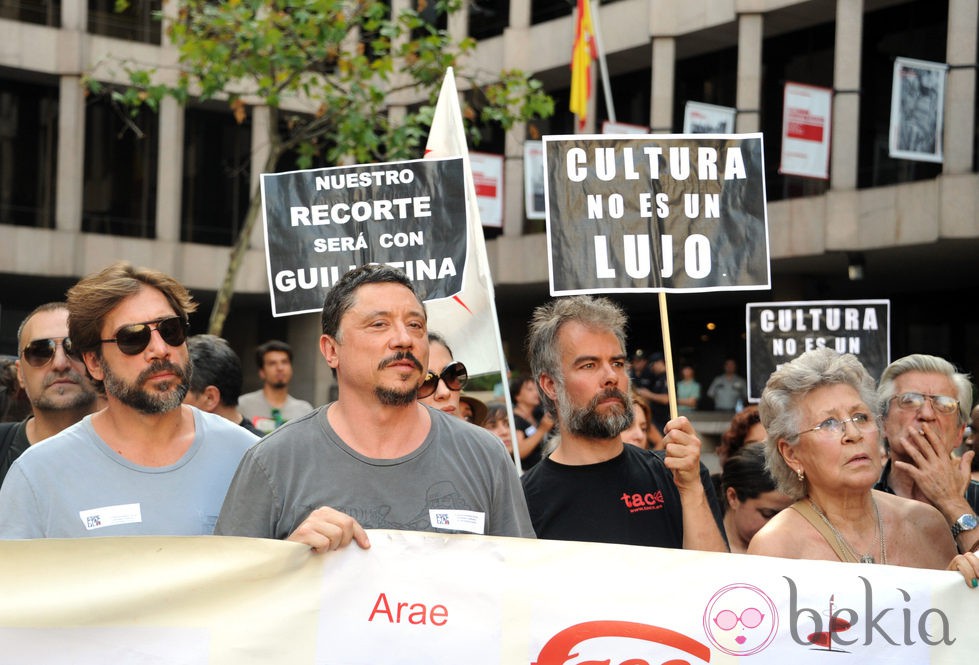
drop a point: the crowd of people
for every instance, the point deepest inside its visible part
(136, 428)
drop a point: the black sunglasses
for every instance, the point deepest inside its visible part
(41, 351)
(454, 375)
(135, 337)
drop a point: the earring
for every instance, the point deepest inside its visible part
(802, 475)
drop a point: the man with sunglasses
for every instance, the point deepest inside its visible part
(925, 404)
(376, 457)
(145, 464)
(53, 378)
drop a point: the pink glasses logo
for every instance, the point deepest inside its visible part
(741, 620)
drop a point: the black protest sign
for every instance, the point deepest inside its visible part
(656, 213)
(321, 223)
(778, 332)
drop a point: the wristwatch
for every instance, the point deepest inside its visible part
(967, 522)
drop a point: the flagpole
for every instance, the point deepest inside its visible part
(602, 64)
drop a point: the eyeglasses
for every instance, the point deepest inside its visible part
(454, 375)
(41, 351)
(836, 427)
(750, 618)
(135, 337)
(914, 401)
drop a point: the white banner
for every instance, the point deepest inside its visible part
(533, 180)
(487, 171)
(434, 599)
(806, 131)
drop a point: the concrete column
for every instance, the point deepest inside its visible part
(520, 13)
(513, 181)
(749, 72)
(960, 87)
(261, 123)
(846, 97)
(71, 154)
(74, 16)
(170, 163)
(664, 68)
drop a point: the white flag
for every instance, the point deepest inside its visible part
(468, 319)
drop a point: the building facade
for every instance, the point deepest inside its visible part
(81, 185)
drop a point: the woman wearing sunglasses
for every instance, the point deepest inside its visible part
(445, 379)
(821, 415)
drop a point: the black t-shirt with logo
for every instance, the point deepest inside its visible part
(630, 499)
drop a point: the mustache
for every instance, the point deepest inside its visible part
(160, 366)
(399, 357)
(613, 393)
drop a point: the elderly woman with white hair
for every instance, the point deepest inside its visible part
(821, 415)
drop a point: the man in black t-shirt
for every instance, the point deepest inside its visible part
(593, 487)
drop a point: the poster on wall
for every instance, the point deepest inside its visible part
(917, 110)
(533, 179)
(806, 130)
(701, 118)
(778, 332)
(488, 178)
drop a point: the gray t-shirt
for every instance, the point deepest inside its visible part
(458, 477)
(73, 484)
(258, 411)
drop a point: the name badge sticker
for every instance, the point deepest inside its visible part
(459, 520)
(98, 518)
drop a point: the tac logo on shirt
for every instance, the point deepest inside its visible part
(639, 502)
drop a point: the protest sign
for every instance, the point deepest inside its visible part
(778, 332)
(448, 599)
(656, 213)
(806, 127)
(321, 223)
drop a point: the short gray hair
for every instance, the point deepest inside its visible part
(919, 362)
(785, 391)
(542, 350)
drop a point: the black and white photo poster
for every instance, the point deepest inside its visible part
(778, 332)
(322, 223)
(917, 110)
(656, 213)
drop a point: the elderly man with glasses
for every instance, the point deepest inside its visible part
(145, 464)
(925, 404)
(53, 378)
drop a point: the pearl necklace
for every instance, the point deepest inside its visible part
(879, 536)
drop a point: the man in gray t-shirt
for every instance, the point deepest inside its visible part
(375, 458)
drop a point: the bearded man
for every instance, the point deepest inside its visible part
(593, 487)
(145, 464)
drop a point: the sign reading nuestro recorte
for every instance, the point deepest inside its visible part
(778, 332)
(656, 213)
(322, 223)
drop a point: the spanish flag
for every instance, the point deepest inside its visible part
(582, 54)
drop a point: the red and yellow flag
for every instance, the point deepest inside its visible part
(582, 53)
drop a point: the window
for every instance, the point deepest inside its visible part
(28, 153)
(139, 22)
(120, 171)
(40, 12)
(216, 176)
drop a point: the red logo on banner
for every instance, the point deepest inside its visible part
(567, 644)
(804, 126)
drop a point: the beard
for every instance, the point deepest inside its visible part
(167, 397)
(84, 398)
(589, 422)
(395, 396)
